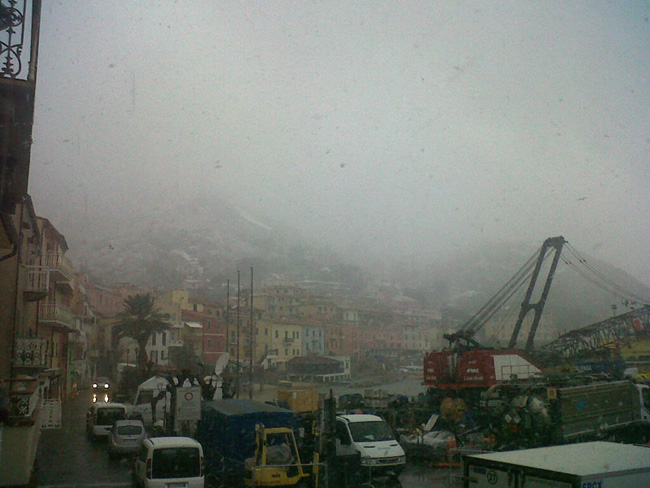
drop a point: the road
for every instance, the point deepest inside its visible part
(68, 459)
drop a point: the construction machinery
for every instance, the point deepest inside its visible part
(469, 368)
(542, 413)
(276, 461)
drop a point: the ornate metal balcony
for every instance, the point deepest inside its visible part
(26, 401)
(17, 38)
(31, 352)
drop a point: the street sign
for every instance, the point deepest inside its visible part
(188, 403)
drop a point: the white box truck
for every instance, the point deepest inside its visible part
(585, 465)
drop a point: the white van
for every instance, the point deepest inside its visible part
(154, 387)
(169, 461)
(101, 417)
(371, 437)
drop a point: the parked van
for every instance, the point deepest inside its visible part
(154, 387)
(371, 437)
(169, 461)
(101, 417)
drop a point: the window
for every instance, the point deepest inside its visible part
(153, 339)
(209, 342)
(164, 338)
(209, 324)
(276, 334)
(286, 352)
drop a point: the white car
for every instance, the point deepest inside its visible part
(126, 437)
(101, 417)
(164, 462)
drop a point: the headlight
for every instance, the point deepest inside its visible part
(94, 385)
(366, 461)
(106, 385)
(401, 459)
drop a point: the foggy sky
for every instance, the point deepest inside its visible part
(383, 129)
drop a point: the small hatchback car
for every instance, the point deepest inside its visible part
(126, 437)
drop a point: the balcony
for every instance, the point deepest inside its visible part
(56, 314)
(31, 352)
(38, 284)
(60, 267)
(26, 401)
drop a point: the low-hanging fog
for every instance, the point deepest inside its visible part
(383, 130)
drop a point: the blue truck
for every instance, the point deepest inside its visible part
(227, 431)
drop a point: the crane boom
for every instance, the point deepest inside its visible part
(550, 244)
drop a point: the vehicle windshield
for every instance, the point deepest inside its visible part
(176, 462)
(108, 416)
(371, 431)
(129, 430)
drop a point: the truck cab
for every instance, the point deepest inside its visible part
(371, 437)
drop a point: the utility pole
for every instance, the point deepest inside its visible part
(250, 363)
(228, 317)
(238, 328)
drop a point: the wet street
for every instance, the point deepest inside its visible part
(68, 459)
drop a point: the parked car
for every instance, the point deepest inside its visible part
(101, 417)
(169, 461)
(126, 437)
(102, 389)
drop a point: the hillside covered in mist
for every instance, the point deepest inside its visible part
(202, 243)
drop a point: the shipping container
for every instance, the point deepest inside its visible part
(585, 465)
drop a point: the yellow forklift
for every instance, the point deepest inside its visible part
(276, 461)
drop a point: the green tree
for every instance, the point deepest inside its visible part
(139, 320)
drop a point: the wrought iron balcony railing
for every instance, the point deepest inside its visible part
(26, 399)
(31, 352)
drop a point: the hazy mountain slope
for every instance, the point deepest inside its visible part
(207, 241)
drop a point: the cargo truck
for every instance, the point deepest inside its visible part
(539, 414)
(228, 429)
(586, 465)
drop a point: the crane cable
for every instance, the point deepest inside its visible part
(622, 292)
(478, 320)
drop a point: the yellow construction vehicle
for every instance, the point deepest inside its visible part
(276, 461)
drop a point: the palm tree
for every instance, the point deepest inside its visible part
(139, 320)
